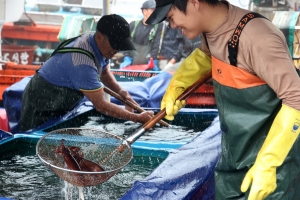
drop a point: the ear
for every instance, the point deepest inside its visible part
(195, 4)
(101, 36)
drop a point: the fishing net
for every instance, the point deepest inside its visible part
(96, 146)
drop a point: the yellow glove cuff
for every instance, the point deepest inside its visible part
(280, 139)
(192, 68)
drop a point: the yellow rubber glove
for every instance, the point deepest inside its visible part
(192, 69)
(280, 139)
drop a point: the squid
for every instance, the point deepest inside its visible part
(68, 158)
(85, 165)
(74, 160)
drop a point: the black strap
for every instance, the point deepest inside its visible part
(62, 49)
(76, 50)
(233, 42)
(63, 44)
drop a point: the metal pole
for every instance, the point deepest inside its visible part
(106, 7)
(2, 20)
(1, 25)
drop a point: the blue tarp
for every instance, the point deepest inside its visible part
(12, 102)
(147, 93)
(187, 173)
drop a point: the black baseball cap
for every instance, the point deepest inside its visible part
(116, 28)
(160, 12)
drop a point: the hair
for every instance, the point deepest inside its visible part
(181, 4)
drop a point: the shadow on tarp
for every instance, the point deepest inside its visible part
(187, 173)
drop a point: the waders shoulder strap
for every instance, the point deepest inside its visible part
(135, 25)
(62, 49)
(233, 42)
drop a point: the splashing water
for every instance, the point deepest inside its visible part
(23, 177)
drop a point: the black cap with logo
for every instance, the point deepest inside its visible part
(160, 12)
(116, 28)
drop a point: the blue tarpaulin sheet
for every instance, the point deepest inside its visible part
(187, 173)
(147, 93)
(12, 102)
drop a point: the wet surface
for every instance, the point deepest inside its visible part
(23, 176)
(156, 133)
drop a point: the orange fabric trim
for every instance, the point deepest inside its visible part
(96, 90)
(232, 76)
